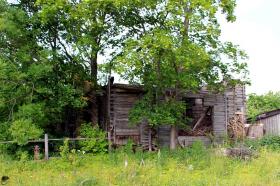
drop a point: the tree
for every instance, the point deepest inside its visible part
(258, 104)
(50, 48)
(35, 90)
(78, 32)
(182, 52)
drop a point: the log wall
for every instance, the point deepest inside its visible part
(122, 100)
(123, 97)
(225, 105)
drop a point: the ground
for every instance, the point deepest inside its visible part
(197, 166)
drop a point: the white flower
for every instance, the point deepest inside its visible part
(83, 152)
(125, 163)
(190, 167)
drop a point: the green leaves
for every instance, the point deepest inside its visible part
(164, 113)
(37, 71)
(23, 130)
(181, 51)
(98, 142)
(258, 104)
(34, 112)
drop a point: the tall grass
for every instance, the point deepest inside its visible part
(191, 166)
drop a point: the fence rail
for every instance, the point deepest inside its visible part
(46, 142)
(43, 140)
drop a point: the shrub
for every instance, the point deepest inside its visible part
(97, 142)
(64, 149)
(271, 142)
(5, 136)
(24, 129)
(22, 155)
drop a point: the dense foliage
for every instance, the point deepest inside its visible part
(97, 142)
(269, 142)
(258, 104)
(182, 52)
(38, 86)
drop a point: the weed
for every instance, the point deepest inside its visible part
(196, 165)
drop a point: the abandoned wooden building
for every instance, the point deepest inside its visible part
(270, 121)
(210, 113)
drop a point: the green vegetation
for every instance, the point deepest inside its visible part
(50, 51)
(183, 52)
(98, 142)
(269, 142)
(190, 166)
(258, 104)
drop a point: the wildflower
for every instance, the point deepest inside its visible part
(190, 167)
(125, 163)
(142, 162)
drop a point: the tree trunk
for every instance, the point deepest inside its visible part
(94, 110)
(93, 103)
(173, 137)
(187, 12)
(93, 68)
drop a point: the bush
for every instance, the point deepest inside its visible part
(24, 129)
(64, 149)
(97, 142)
(271, 142)
(22, 155)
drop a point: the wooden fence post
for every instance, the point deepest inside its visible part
(150, 139)
(109, 142)
(46, 147)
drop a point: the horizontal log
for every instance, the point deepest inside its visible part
(127, 132)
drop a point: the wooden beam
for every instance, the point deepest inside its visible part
(201, 118)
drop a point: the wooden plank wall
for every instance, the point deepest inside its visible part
(163, 136)
(271, 125)
(224, 106)
(236, 99)
(121, 102)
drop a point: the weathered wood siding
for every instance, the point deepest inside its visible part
(123, 97)
(164, 136)
(271, 125)
(225, 105)
(121, 102)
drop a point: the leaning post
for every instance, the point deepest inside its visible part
(46, 147)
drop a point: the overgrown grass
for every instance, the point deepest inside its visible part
(191, 166)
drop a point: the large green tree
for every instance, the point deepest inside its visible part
(80, 32)
(258, 104)
(49, 49)
(36, 89)
(182, 52)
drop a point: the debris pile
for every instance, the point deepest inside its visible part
(235, 126)
(242, 153)
(201, 131)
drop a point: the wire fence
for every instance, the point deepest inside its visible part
(46, 141)
(43, 140)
